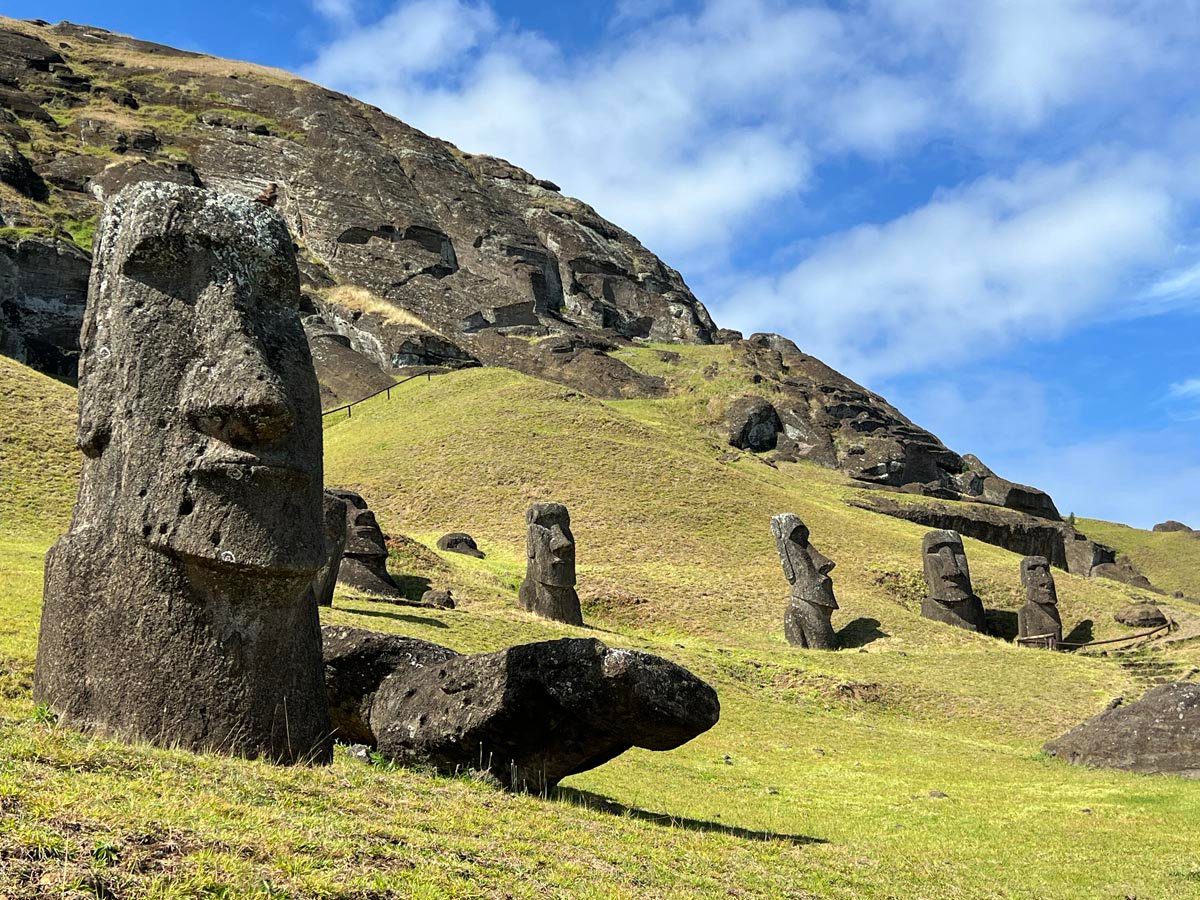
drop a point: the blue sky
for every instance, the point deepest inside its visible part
(989, 212)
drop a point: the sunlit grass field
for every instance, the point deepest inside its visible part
(906, 764)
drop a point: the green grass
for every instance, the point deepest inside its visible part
(816, 782)
(1171, 560)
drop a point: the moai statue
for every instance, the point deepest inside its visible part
(364, 561)
(333, 510)
(951, 598)
(549, 585)
(1039, 616)
(807, 621)
(178, 607)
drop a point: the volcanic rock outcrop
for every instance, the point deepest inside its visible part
(178, 607)
(951, 598)
(1039, 617)
(1171, 525)
(333, 512)
(549, 585)
(530, 715)
(808, 619)
(1158, 734)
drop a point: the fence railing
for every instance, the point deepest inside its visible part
(1051, 642)
(349, 407)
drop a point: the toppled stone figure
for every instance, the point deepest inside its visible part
(1039, 617)
(459, 542)
(178, 607)
(364, 561)
(530, 715)
(1141, 615)
(549, 585)
(807, 621)
(1158, 734)
(333, 511)
(951, 598)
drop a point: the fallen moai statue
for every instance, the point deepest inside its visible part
(530, 715)
(178, 607)
(1158, 734)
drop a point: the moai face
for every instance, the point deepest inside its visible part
(199, 407)
(805, 568)
(550, 545)
(364, 537)
(946, 573)
(1038, 581)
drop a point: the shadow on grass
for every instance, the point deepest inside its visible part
(859, 633)
(588, 800)
(1082, 633)
(397, 616)
(1002, 623)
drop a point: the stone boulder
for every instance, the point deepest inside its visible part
(1171, 525)
(1141, 615)
(438, 598)
(1157, 735)
(751, 423)
(530, 715)
(178, 607)
(459, 542)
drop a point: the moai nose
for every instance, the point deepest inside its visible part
(240, 401)
(558, 540)
(823, 563)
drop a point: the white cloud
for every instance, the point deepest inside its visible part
(337, 10)
(1186, 390)
(973, 270)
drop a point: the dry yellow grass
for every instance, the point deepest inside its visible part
(362, 300)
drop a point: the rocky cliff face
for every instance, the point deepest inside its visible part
(413, 253)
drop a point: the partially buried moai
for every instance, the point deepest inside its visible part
(1039, 617)
(951, 598)
(549, 585)
(178, 607)
(364, 560)
(807, 622)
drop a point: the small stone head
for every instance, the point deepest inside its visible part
(199, 407)
(946, 573)
(1038, 581)
(550, 545)
(804, 566)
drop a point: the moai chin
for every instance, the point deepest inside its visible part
(178, 606)
(1039, 616)
(807, 621)
(951, 598)
(549, 585)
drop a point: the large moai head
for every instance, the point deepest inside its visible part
(805, 568)
(550, 545)
(364, 537)
(1038, 581)
(199, 406)
(946, 573)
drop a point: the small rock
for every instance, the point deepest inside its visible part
(438, 599)
(939, 795)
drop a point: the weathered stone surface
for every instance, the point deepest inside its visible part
(1123, 570)
(549, 585)
(364, 561)
(1171, 525)
(807, 621)
(111, 180)
(43, 292)
(1141, 615)
(951, 598)
(18, 174)
(438, 598)
(1039, 616)
(333, 511)
(178, 607)
(530, 715)
(459, 542)
(751, 423)
(1158, 735)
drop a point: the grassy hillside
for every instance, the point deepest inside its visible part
(1171, 560)
(825, 776)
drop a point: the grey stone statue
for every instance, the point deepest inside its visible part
(951, 598)
(333, 511)
(364, 561)
(1039, 616)
(178, 606)
(807, 621)
(549, 585)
